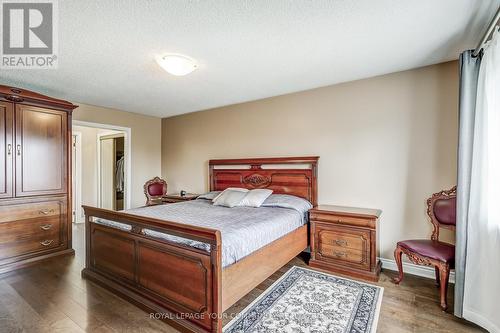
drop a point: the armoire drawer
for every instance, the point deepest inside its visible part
(29, 229)
(26, 211)
(25, 246)
(21, 237)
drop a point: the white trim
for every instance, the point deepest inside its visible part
(423, 271)
(98, 170)
(128, 155)
(77, 189)
(480, 320)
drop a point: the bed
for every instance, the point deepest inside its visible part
(184, 272)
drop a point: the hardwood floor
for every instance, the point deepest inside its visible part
(52, 297)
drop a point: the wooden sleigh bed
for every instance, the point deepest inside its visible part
(186, 286)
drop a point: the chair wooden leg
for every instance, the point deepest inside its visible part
(444, 274)
(437, 276)
(397, 256)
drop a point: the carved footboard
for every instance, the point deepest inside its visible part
(177, 283)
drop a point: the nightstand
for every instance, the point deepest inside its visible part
(345, 240)
(176, 197)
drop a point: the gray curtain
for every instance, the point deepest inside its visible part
(469, 70)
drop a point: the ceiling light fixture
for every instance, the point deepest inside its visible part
(177, 64)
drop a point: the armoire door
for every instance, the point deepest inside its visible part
(41, 151)
(6, 149)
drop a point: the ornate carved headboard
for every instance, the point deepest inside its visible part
(284, 175)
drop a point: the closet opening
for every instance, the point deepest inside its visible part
(111, 179)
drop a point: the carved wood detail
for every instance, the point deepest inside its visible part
(256, 180)
(444, 194)
(137, 230)
(417, 259)
(150, 199)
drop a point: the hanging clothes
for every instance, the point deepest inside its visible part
(120, 174)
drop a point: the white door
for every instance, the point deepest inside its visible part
(73, 179)
(76, 178)
(107, 174)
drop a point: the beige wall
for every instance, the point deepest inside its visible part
(145, 143)
(385, 142)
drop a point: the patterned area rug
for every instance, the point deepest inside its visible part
(304, 300)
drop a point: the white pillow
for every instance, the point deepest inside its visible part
(230, 197)
(255, 198)
(231, 189)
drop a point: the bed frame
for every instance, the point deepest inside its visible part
(182, 285)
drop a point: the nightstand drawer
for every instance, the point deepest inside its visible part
(344, 237)
(341, 255)
(342, 220)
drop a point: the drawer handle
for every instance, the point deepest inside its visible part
(341, 242)
(46, 226)
(18, 150)
(46, 242)
(339, 254)
(340, 221)
(45, 211)
(9, 149)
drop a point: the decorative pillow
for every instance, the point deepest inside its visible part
(288, 201)
(210, 195)
(255, 198)
(230, 197)
(232, 189)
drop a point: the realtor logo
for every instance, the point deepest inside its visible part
(29, 34)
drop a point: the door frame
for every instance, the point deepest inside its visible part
(127, 131)
(77, 177)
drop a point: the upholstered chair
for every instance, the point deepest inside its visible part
(155, 189)
(441, 208)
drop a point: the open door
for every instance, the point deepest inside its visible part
(111, 185)
(76, 172)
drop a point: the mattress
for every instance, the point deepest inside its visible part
(243, 229)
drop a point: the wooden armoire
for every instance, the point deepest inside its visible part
(35, 177)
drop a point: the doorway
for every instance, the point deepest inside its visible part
(86, 170)
(101, 167)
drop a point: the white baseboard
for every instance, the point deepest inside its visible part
(424, 271)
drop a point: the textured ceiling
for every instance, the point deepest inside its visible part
(247, 50)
